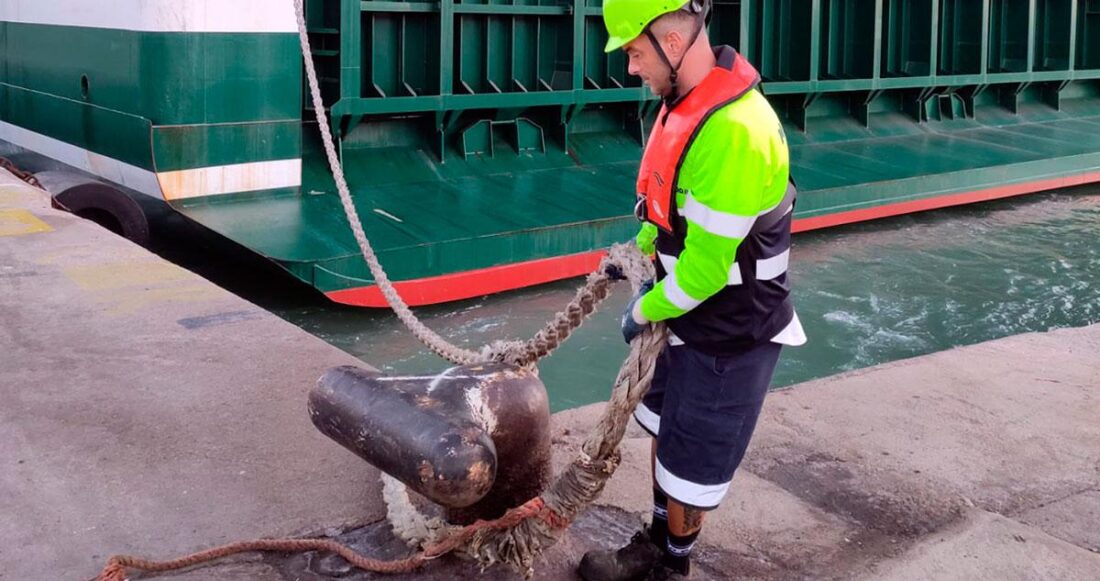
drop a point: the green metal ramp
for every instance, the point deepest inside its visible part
(492, 145)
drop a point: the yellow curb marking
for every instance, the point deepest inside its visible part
(126, 287)
(20, 222)
(130, 301)
(123, 275)
(82, 253)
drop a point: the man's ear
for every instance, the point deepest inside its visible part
(675, 42)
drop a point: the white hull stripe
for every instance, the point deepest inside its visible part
(647, 418)
(172, 185)
(717, 223)
(229, 179)
(677, 296)
(770, 268)
(684, 491)
(108, 168)
(246, 16)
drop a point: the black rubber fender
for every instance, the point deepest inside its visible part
(99, 202)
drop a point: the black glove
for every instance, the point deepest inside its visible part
(614, 272)
(631, 328)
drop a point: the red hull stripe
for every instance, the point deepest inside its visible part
(1007, 191)
(475, 283)
(486, 281)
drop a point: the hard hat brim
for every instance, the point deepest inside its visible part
(615, 43)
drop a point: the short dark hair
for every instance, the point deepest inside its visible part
(681, 20)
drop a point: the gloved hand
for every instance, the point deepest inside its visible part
(614, 272)
(634, 322)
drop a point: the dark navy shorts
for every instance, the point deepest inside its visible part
(702, 410)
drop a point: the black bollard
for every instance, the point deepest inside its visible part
(474, 439)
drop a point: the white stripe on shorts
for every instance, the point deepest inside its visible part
(687, 492)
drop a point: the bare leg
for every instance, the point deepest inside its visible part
(682, 520)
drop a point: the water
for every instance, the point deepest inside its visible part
(866, 294)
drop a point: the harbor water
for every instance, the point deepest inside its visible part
(866, 294)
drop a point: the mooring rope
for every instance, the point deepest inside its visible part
(518, 537)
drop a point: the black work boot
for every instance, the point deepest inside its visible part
(630, 563)
(664, 573)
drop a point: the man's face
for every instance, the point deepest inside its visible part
(643, 62)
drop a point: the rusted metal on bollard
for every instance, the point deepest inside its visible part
(520, 430)
(474, 439)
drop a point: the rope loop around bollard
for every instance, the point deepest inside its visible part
(519, 536)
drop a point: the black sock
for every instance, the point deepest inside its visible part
(658, 531)
(678, 552)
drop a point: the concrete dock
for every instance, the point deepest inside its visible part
(147, 411)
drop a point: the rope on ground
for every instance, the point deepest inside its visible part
(7, 164)
(116, 567)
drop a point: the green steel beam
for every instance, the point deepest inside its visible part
(517, 100)
(516, 10)
(1032, 24)
(815, 39)
(446, 46)
(985, 37)
(580, 49)
(351, 43)
(1072, 64)
(876, 69)
(399, 7)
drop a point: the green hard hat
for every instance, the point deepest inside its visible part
(626, 19)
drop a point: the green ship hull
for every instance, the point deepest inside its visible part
(493, 146)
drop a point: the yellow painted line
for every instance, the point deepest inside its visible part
(81, 253)
(125, 275)
(131, 301)
(20, 222)
(11, 196)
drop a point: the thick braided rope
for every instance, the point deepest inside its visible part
(518, 537)
(624, 257)
(584, 479)
(596, 288)
(515, 538)
(426, 336)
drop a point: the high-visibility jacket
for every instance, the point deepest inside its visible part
(715, 192)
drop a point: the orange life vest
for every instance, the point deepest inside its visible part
(674, 131)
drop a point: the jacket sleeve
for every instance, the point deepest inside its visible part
(724, 178)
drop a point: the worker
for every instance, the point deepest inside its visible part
(716, 200)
